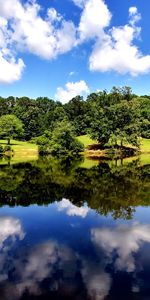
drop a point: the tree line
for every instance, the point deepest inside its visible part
(118, 115)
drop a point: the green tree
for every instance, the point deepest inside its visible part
(62, 140)
(10, 127)
(115, 117)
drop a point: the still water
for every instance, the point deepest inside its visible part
(75, 230)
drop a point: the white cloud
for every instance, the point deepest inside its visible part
(71, 90)
(134, 16)
(79, 3)
(125, 240)
(95, 17)
(10, 70)
(115, 50)
(133, 10)
(71, 209)
(42, 37)
(23, 29)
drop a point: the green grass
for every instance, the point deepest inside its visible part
(23, 151)
(17, 145)
(86, 140)
(145, 145)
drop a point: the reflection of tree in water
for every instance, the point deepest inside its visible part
(10, 178)
(115, 190)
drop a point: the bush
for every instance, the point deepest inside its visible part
(44, 149)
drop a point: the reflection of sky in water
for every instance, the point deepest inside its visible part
(68, 251)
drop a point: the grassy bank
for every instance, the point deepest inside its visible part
(87, 141)
(23, 151)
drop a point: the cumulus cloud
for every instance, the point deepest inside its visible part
(79, 3)
(23, 29)
(71, 90)
(115, 50)
(134, 15)
(125, 240)
(10, 70)
(71, 209)
(94, 18)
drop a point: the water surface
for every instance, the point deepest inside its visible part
(71, 231)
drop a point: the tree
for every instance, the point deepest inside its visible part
(145, 116)
(115, 118)
(10, 127)
(62, 141)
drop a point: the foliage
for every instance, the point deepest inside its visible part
(61, 141)
(10, 127)
(118, 115)
(117, 189)
(115, 120)
(24, 151)
(86, 140)
(145, 117)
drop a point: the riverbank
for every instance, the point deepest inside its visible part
(22, 151)
(92, 149)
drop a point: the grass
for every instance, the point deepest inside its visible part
(23, 151)
(145, 145)
(86, 140)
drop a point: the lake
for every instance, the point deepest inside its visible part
(75, 229)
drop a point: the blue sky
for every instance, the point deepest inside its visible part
(60, 48)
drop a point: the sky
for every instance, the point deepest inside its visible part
(62, 48)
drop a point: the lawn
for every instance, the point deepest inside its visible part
(145, 145)
(23, 151)
(86, 140)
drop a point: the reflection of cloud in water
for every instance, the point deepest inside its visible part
(125, 240)
(46, 260)
(71, 209)
(40, 263)
(52, 266)
(97, 281)
(10, 228)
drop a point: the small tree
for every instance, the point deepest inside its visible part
(63, 140)
(10, 127)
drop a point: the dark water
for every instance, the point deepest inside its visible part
(71, 232)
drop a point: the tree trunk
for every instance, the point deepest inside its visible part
(121, 144)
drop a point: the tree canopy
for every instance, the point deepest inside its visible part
(10, 127)
(107, 116)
